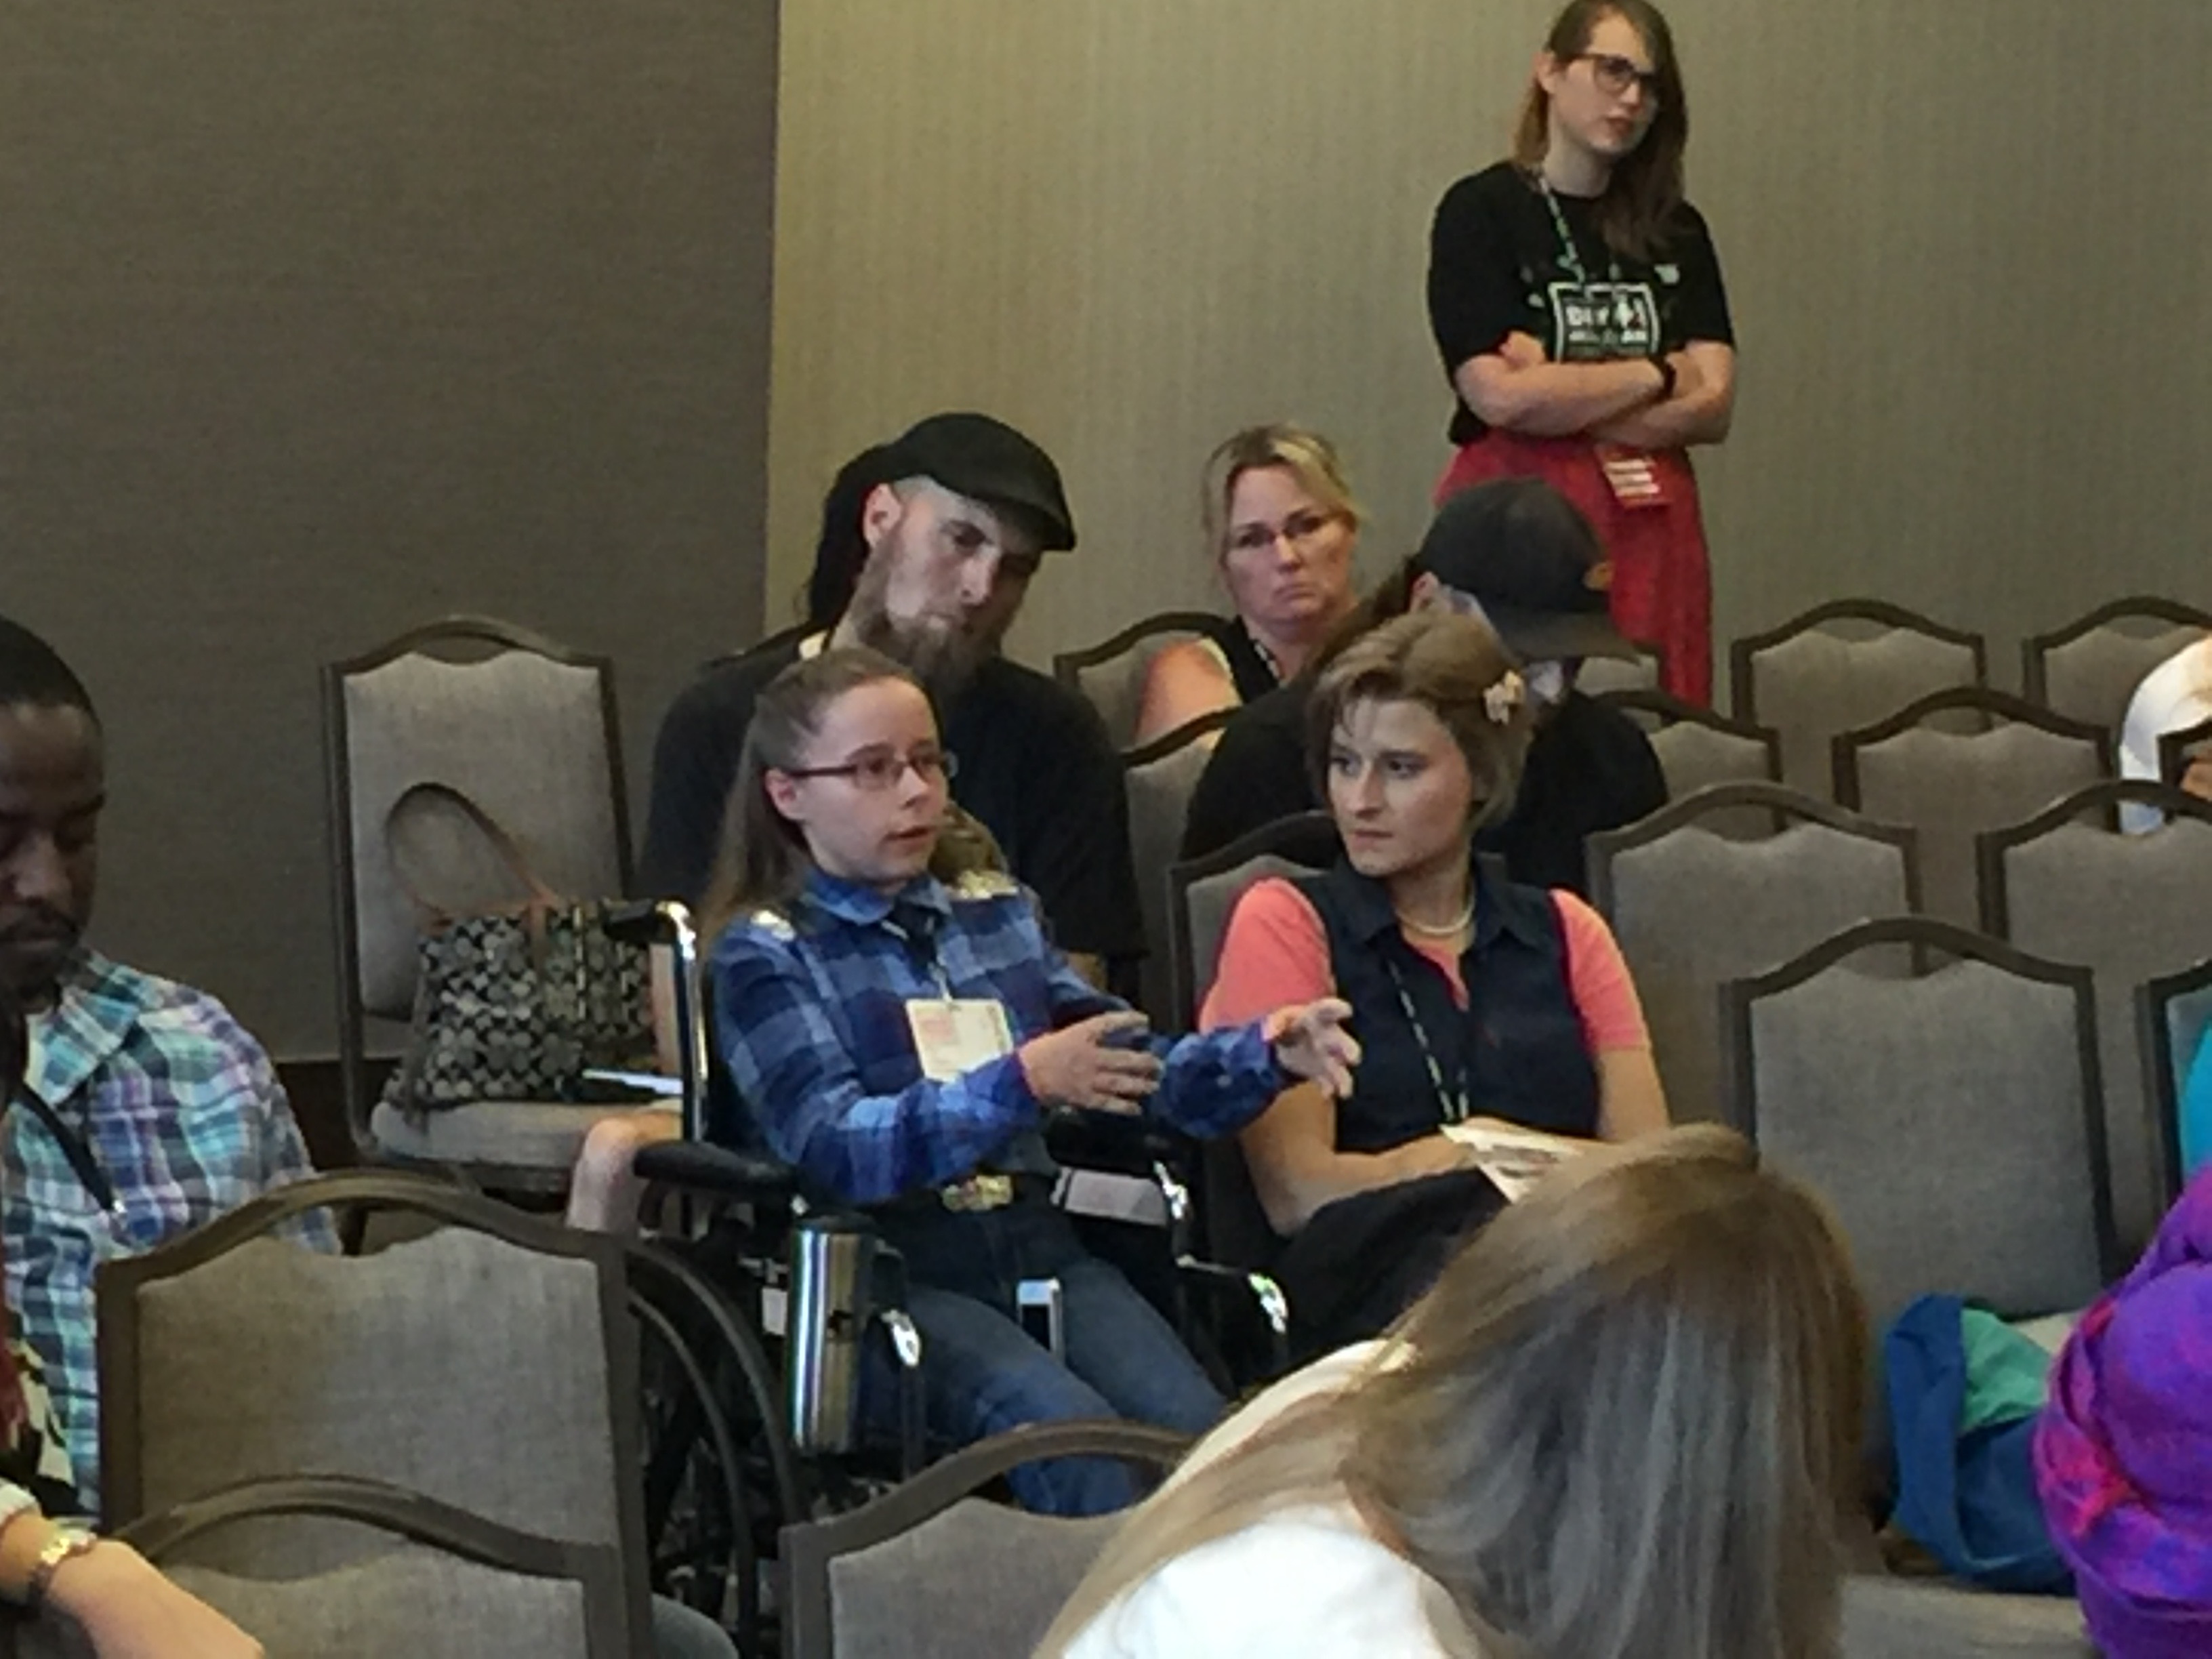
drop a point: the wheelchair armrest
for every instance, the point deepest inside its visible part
(700, 1167)
(1114, 1144)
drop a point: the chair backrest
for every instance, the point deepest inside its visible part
(1692, 908)
(455, 1583)
(874, 1583)
(1951, 1118)
(522, 727)
(1951, 785)
(2174, 1018)
(1111, 674)
(490, 1364)
(1203, 891)
(1842, 666)
(1161, 778)
(2066, 885)
(1601, 675)
(2089, 668)
(1698, 748)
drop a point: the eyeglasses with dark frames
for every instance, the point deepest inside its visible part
(1615, 75)
(878, 770)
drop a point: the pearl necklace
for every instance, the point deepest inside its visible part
(1451, 929)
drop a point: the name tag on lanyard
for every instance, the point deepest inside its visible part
(1602, 322)
(1631, 475)
(952, 1035)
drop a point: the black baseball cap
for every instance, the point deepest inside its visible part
(987, 460)
(1526, 556)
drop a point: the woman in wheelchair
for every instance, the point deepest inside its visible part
(1623, 1425)
(1473, 997)
(898, 1038)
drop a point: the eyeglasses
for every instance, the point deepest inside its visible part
(1614, 75)
(1300, 530)
(876, 770)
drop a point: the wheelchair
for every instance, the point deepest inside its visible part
(765, 1298)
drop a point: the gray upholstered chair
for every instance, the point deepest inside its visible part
(527, 730)
(2066, 885)
(2174, 1019)
(1842, 665)
(1698, 748)
(1951, 785)
(447, 1580)
(1950, 1117)
(491, 1364)
(1692, 907)
(1111, 674)
(1601, 676)
(877, 1582)
(1161, 778)
(2089, 668)
(1923, 1619)
(1203, 891)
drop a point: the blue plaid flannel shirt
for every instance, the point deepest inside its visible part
(184, 1116)
(810, 1015)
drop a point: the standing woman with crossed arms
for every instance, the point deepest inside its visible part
(1577, 301)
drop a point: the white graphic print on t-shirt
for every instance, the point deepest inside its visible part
(1600, 322)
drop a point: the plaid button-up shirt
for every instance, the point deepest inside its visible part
(810, 1016)
(183, 1114)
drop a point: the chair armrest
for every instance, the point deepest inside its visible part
(1256, 1296)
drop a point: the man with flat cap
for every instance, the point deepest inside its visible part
(968, 509)
(1519, 554)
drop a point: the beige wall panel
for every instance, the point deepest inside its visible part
(317, 322)
(1966, 246)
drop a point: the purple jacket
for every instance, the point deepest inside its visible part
(2124, 1450)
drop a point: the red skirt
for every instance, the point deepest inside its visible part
(1662, 589)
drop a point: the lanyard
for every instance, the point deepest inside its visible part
(78, 1152)
(1268, 659)
(1570, 255)
(919, 942)
(1455, 1105)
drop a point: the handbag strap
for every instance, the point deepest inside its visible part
(542, 897)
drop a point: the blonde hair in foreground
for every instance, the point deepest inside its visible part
(1624, 1424)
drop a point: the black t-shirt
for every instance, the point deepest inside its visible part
(1035, 765)
(1496, 265)
(1589, 769)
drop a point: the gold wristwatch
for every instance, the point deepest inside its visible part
(67, 1543)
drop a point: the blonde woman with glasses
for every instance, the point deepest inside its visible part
(1622, 1425)
(1283, 529)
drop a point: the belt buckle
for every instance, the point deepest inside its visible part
(977, 1194)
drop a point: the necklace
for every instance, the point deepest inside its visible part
(1451, 929)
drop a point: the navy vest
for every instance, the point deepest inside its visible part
(1518, 1049)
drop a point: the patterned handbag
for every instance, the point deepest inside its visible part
(513, 1002)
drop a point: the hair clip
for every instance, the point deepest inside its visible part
(1501, 699)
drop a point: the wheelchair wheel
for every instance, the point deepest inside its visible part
(719, 1477)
